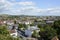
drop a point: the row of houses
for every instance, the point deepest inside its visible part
(10, 22)
(28, 32)
(16, 32)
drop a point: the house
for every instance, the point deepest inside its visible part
(13, 33)
(28, 22)
(11, 26)
(29, 31)
(25, 22)
(33, 27)
(1, 22)
(13, 30)
(4, 22)
(9, 22)
(49, 22)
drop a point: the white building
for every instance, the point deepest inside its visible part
(14, 33)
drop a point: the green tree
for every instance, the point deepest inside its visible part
(5, 35)
(56, 26)
(35, 34)
(3, 30)
(22, 26)
(47, 32)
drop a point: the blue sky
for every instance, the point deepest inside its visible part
(30, 7)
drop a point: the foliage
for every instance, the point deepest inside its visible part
(47, 32)
(3, 30)
(35, 34)
(32, 24)
(22, 26)
(4, 34)
(3, 37)
(56, 26)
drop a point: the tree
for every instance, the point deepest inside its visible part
(56, 26)
(5, 35)
(3, 30)
(47, 32)
(22, 26)
(35, 34)
(39, 26)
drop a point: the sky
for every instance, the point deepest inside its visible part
(30, 7)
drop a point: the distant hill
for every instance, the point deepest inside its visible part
(4, 15)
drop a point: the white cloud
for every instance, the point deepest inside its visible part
(2, 0)
(26, 7)
(26, 3)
